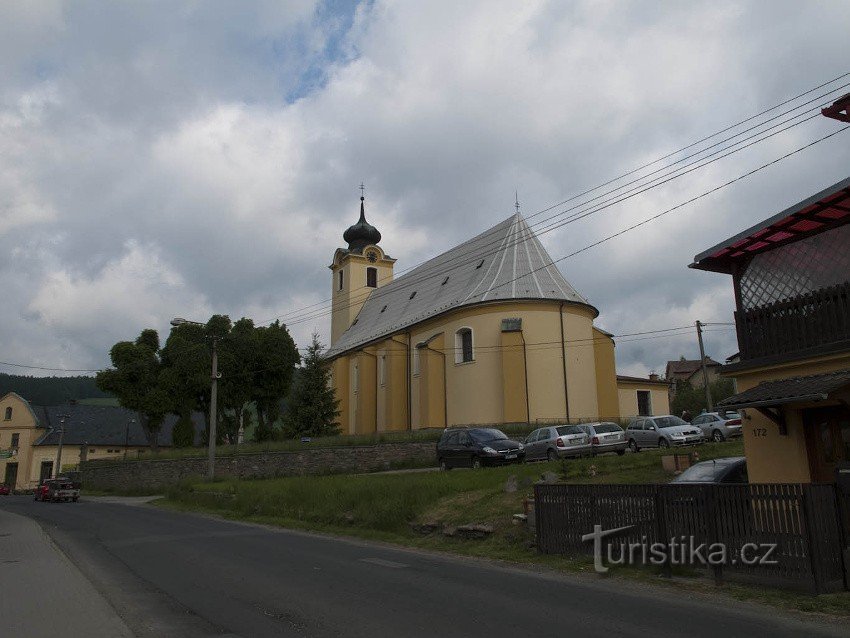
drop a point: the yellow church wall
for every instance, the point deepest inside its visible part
(340, 369)
(581, 362)
(392, 385)
(606, 376)
(514, 381)
(432, 375)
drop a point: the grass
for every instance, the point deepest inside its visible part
(383, 506)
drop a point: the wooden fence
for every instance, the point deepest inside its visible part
(803, 521)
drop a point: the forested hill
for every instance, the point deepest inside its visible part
(50, 390)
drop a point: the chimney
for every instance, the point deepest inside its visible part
(653, 376)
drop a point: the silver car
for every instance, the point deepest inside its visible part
(605, 437)
(557, 442)
(719, 426)
(661, 431)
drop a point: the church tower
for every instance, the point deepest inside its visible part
(357, 271)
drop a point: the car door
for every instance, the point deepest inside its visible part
(649, 434)
(448, 450)
(544, 442)
(636, 431)
(529, 445)
(465, 450)
(702, 423)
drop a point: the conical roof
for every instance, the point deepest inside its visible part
(505, 262)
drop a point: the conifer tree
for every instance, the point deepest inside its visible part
(312, 408)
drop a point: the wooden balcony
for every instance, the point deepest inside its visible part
(815, 320)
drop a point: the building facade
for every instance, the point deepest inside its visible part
(488, 332)
(791, 275)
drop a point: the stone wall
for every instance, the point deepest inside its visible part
(160, 473)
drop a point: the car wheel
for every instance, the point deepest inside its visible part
(664, 443)
(620, 452)
(551, 455)
(717, 436)
(633, 445)
(476, 463)
(443, 466)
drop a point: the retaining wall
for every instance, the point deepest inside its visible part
(160, 473)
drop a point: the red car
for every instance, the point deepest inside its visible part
(5, 490)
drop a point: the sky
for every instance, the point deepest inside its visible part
(167, 158)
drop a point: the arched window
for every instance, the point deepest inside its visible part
(463, 346)
(355, 380)
(8, 416)
(341, 279)
(372, 277)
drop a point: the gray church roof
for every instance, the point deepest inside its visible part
(505, 262)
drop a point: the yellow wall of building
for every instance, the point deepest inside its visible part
(340, 379)
(771, 456)
(348, 301)
(24, 423)
(490, 389)
(627, 391)
(607, 395)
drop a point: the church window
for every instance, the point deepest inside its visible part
(445, 281)
(463, 346)
(341, 279)
(355, 381)
(416, 361)
(480, 263)
(8, 416)
(384, 308)
(413, 294)
(382, 369)
(372, 277)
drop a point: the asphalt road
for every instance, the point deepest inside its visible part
(173, 574)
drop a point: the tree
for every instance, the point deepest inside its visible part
(692, 398)
(276, 359)
(138, 378)
(183, 434)
(312, 407)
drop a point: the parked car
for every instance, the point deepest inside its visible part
(58, 489)
(605, 437)
(661, 431)
(719, 426)
(476, 447)
(557, 442)
(5, 490)
(731, 469)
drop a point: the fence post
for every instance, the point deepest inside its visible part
(713, 522)
(661, 529)
(806, 504)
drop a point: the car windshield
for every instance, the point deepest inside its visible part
(568, 429)
(705, 472)
(487, 434)
(669, 421)
(602, 428)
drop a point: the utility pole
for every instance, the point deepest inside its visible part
(57, 469)
(709, 406)
(213, 408)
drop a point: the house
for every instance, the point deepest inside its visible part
(488, 332)
(791, 276)
(29, 437)
(642, 397)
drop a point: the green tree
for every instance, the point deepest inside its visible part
(276, 359)
(183, 434)
(692, 398)
(312, 407)
(138, 378)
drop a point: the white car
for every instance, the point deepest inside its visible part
(718, 426)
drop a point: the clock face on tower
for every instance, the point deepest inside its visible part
(372, 256)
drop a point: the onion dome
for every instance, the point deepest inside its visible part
(362, 233)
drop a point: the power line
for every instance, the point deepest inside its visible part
(298, 313)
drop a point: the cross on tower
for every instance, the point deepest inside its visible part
(516, 197)
(362, 190)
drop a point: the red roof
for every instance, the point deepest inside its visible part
(828, 209)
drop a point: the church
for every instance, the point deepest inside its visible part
(489, 332)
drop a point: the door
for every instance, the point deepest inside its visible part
(465, 450)
(649, 434)
(827, 433)
(46, 471)
(448, 449)
(11, 478)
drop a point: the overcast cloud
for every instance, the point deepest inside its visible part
(165, 159)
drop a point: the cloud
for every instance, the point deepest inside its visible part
(205, 157)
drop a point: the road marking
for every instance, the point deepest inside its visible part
(384, 563)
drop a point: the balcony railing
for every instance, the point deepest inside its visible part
(815, 319)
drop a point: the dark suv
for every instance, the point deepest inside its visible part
(475, 447)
